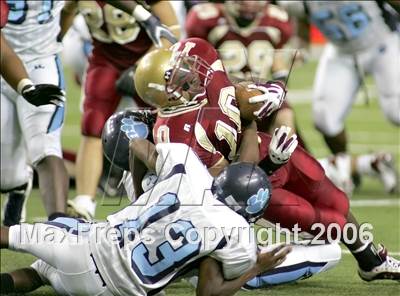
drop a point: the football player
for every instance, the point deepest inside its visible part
(249, 36)
(120, 128)
(197, 106)
(362, 39)
(156, 239)
(122, 31)
(32, 107)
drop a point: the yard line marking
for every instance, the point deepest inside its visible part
(375, 202)
(347, 252)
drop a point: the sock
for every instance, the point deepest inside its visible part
(86, 202)
(56, 215)
(364, 164)
(367, 257)
(6, 283)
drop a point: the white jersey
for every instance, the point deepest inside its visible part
(170, 228)
(350, 25)
(32, 28)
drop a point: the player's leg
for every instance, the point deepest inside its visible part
(386, 72)
(373, 263)
(335, 87)
(20, 281)
(101, 100)
(301, 263)
(41, 127)
(16, 175)
(56, 243)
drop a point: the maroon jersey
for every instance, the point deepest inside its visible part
(116, 35)
(243, 50)
(210, 124)
(3, 13)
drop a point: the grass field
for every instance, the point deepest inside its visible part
(368, 131)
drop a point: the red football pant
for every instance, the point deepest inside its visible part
(101, 96)
(303, 195)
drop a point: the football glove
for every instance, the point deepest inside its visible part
(282, 146)
(43, 94)
(156, 30)
(273, 95)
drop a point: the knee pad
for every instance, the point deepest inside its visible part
(326, 121)
(11, 179)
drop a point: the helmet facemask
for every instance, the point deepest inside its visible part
(245, 12)
(186, 79)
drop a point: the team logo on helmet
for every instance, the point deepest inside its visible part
(257, 202)
(134, 129)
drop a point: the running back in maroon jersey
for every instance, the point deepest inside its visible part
(211, 123)
(116, 34)
(246, 52)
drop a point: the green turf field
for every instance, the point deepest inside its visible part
(368, 131)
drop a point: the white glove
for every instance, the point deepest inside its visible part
(282, 146)
(272, 97)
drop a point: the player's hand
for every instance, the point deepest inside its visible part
(271, 259)
(156, 30)
(272, 97)
(43, 94)
(282, 146)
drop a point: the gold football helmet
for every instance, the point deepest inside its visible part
(150, 79)
(166, 78)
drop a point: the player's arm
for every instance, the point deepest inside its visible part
(212, 282)
(248, 150)
(157, 26)
(68, 14)
(142, 157)
(14, 72)
(12, 68)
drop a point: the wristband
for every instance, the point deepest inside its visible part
(269, 166)
(140, 13)
(23, 82)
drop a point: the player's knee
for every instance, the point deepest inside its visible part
(325, 122)
(42, 146)
(391, 108)
(12, 178)
(93, 122)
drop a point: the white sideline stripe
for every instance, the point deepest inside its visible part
(347, 252)
(375, 202)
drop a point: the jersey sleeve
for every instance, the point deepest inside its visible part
(240, 253)
(178, 158)
(3, 13)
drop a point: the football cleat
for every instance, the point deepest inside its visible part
(14, 210)
(385, 168)
(388, 270)
(81, 207)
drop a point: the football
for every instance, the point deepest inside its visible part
(243, 94)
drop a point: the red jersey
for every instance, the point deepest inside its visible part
(243, 50)
(3, 13)
(116, 35)
(210, 124)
